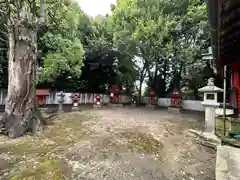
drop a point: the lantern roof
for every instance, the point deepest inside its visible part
(42, 92)
(210, 87)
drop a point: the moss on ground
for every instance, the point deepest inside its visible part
(46, 169)
(27, 147)
(39, 157)
(34, 158)
(231, 126)
(144, 143)
(220, 125)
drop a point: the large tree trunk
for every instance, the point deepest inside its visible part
(139, 102)
(20, 109)
(142, 76)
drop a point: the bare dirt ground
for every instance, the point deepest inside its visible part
(109, 144)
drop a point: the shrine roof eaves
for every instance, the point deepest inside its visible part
(224, 19)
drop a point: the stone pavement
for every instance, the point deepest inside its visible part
(228, 163)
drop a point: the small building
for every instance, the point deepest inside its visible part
(176, 98)
(152, 97)
(41, 96)
(115, 92)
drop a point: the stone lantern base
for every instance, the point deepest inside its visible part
(95, 105)
(75, 108)
(60, 108)
(210, 104)
(60, 111)
(205, 138)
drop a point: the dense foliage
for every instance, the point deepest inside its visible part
(154, 42)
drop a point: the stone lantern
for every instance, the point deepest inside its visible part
(210, 103)
(61, 101)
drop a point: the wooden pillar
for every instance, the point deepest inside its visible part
(235, 75)
(236, 82)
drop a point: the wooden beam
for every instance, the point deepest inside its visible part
(227, 19)
(227, 6)
(231, 28)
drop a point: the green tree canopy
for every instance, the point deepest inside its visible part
(63, 57)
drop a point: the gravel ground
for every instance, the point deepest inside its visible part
(124, 144)
(143, 144)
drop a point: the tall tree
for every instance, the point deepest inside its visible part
(20, 109)
(167, 35)
(142, 31)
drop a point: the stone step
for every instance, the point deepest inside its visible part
(205, 138)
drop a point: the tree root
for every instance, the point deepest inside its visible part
(15, 126)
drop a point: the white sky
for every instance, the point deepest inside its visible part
(96, 7)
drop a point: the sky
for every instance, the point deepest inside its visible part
(96, 7)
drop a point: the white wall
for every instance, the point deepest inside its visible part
(187, 104)
(164, 102)
(85, 98)
(125, 99)
(193, 105)
(88, 98)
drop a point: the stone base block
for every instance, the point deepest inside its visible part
(60, 111)
(97, 105)
(75, 108)
(206, 139)
(151, 106)
(114, 105)
(174, 109)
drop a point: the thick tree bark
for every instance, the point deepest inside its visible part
(20, 110)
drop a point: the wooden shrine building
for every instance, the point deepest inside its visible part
(224, 19)
(41, 96)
